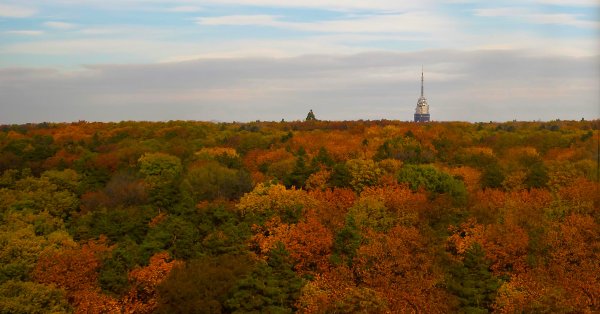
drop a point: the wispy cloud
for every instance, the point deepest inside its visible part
(528, 16)
(185, 9)
(59, 25)
(25, 32)
(379, 23)
(570, 3)
(16, 11)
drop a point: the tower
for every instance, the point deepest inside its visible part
(422, 110)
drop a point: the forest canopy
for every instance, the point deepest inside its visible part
(311, 217)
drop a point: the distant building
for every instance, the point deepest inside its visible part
(422, 111)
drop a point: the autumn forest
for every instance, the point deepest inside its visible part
(308, 217)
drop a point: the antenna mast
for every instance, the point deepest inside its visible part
(421, 81)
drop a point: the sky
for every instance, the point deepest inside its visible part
(246, 60)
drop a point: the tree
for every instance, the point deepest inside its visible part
(326, 296)
(18, 297)
(340, 176)
(275, 199)
(271, 287)
(308, 242)
(142, 297)
(20, 248)
(201, 285)
(301, 171)
(363, 172)
(433, 180)
(537, 176)
(399, 267)
(332, 206)
(370, 212)
(161, 172)
(322, 158)
(311, 116)
(492, 176)
(472, 282)
(213, 181)
(75, 271)
(346, 242)
(407, 149)
(177, 235)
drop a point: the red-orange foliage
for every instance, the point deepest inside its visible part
(568, 282)
(326, 290)
(463, 237)
(575, 259)
(486, 204)
(341, 145)
(506, 246)
(470, 176)
(61, 157)
(399, 266)
(75, 270)
(527, 208)
(255, 158)
(333, 204)
(142, 298)
(308, 242)
(72, 269)
(582, 196)
(109, 161)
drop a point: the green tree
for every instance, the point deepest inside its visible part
(114, 271)
(407, 149)
(222, 230)
(213, 181)
(492, 176)
(177, 235)
(299, 174)
(35, 195)
(159, 167)
(272, 287)
(432, 180)
(340, 176)
(322, 158)
(117, 224)
(371, 213)
(472, 282)
(346, 242)
(537, 176)
(161, 171)
(18, 297)
(201, 285)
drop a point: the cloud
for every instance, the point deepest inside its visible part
(526, 15)
(59, 25)
(25, 32)
(381, 23)
(572, 3)
(16, 11)
(460, 85)
(258, 20)
(336, 5)
(185, 9)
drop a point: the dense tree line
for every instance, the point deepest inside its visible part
(311, 217)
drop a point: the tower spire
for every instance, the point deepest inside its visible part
(421, 80)
(422, 110)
